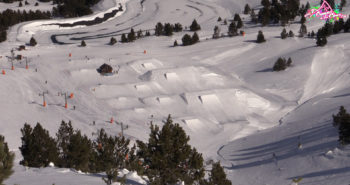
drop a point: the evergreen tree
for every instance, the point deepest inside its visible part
(302, 20)
(265, 3)
(216, 32)
(218, 176)
(289, 62)
(247, 9)
(175, 43)
(168, 29)
(148, 34)
(342, 120)
(330, 2)
(113, 41)
(6, 160)
(225, 22)
(328, 28)
(32, 42)
(253, 17)
(131, 35)
(38, 148)
(26, 3)
(36, 4)
(260, 37)
(239, 23)
(177, 27)
(321, 41)
(111, 151)
(303, 29)
(236, 17)
(123, 38)
(195, 38)
(83, 44)
(342, 4)
(159, 29)
(63, 136)
(347, 25)
(264, 16)
(139, 34)
(284, 34)
(195, 26)
(312, 34)
(186, 40)
(338, 26)
(232, 29)
(168, 156)
(280, 65)
(79, 153)
(219, 19)
(20, 4)
(290, 34)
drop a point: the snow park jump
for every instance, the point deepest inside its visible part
(325, 12)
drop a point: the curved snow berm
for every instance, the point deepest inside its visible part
(25, 31)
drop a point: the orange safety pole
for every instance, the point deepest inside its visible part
(12, 67)
(27, 66)
(3, 72)
(66, 105)
(144, 51)
(44, 104)
(112, 120)
(70, 54)
(71, 95)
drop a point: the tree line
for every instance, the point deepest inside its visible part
(166, 158)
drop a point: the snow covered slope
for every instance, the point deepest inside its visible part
(222, 92)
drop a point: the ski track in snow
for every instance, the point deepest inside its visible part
(222, 92)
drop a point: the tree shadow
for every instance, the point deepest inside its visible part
(286, 148)
(324, 173)
(265, 70)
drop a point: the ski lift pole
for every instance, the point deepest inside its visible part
(43, 95)
(65, 100)
(122, 127)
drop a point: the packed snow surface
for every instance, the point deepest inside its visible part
(222, 92)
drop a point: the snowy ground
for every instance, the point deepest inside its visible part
(222, 92)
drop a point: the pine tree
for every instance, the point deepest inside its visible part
(338, 26)
(312, 34)
(247, 9)
(284, 34)
(186, 40)
(6, 160)
(289, 62)
(83, 44)
(236, 17)
(175, 43)
(148, 34)
(290, 34)
(265, 3)
(139, 34)
(321, 41)
(63, 136)
(177, 27)
(113, 41)
(26, 3)
(79, 153)
(159, 29)
(342, 4)
(216, 32)
(264, 16)
(131, 35)
(260, 37)
(195, 26)
(328, 28)
(219, 19)
(253, 17)
(342, 120)
(302, 20)
(303, 30)
(239, 23)
(38, 148)
(168, 156)
(232, 29)
(123, 38)
(280, 65)
(225, 22)
(195, 38)
(218, 176)
(20, 4)
(32, 42)
(168, 29)
(347, 25)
